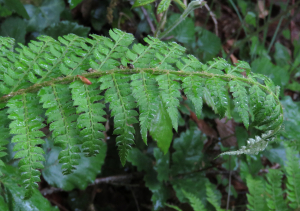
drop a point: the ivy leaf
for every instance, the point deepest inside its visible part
(84, 175)
(161, 129)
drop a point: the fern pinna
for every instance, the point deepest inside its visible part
(39, 80)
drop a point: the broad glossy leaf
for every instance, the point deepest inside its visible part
(66, 27)
(17, 6)
(45, 15)
(14, 27)
(15, 194)
(161, 129)
(84, 175)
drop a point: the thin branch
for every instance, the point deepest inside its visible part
(104, 180)
(135, 200)
(148, 20)
(229, 187)
(213, 17)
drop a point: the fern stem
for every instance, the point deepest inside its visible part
(68, 79)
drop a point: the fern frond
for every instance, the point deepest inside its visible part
(169, 92)
(90, 115)
(25, 112)
(109, 52)
(145, 91)
(275, 199)
(191, 64)
(194, 201)
(119, 95)
(256, 197)
(6, 45)
(293, 178)
(240, 99)
(142, 56)
(74, 53)
(61, 114)
(23, 75)
(254, 145)
(169, 56)
(212, 197)
(4, 133)
(219, 94)
(193, 88)
(257, 98)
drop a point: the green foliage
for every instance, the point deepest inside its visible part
(75, 112)
(194, 201)
(13, 199)
(257, 196)
(25, 111)
(85, 173)
(293, 178)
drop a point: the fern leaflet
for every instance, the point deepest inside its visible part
(25, 112)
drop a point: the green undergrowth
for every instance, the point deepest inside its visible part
(39, 88)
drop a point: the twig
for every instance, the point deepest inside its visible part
(229, 187)
(104, 180)
(213, 17)
(135, 200)
(148, 20)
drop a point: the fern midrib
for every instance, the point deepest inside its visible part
(111, 51)
(88, 98)
(21, 79)
(64, 120)
(120, 97)
(27, 133)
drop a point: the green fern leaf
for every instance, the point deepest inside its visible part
(167, 57)
(191, 64)
(257, 196)
(240, 99)
(217, 66)
(254, 145)
(293, 178)
(196, 203)
(121, 104)
(61, 114)
(275, 200)
(193, 88)
(142, 56)
(27, 62)
(219, 94)
(25, 112)
(109, 52)
(144, 89)
(84, 97)
(212, 197)
(169, 92)
(4, 133)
